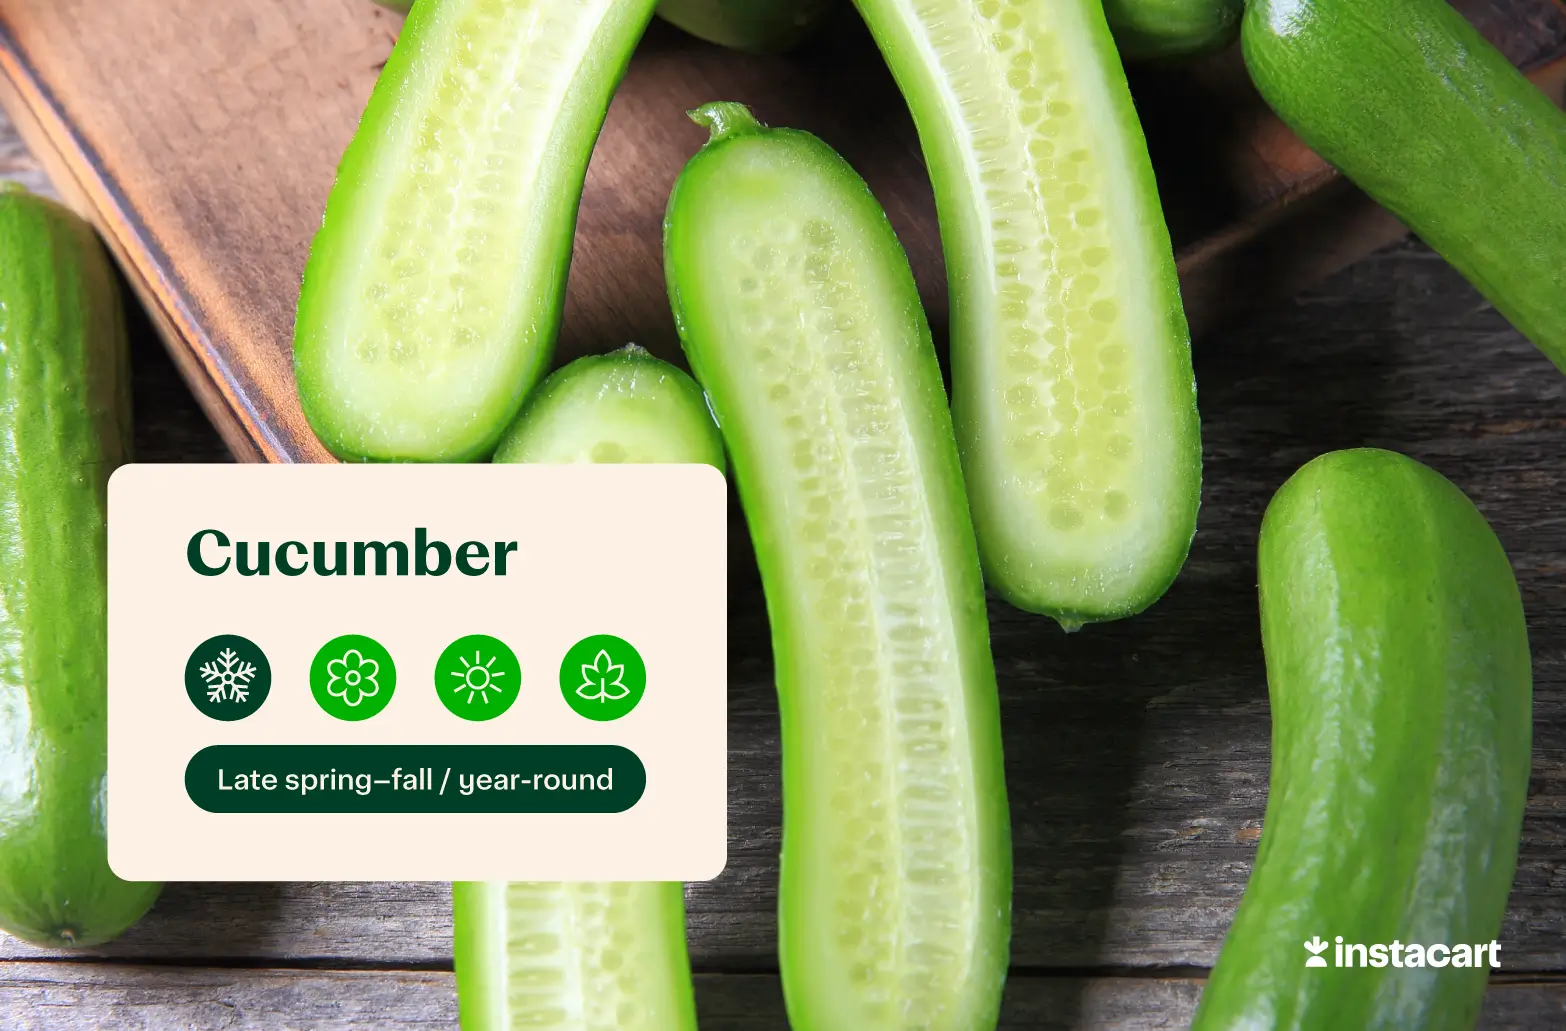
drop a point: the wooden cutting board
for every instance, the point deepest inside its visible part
(202, 139)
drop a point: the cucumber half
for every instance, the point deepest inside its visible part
(432, 296)
(573, 957)
(797, 309)
(622, 407)
(1073, 394)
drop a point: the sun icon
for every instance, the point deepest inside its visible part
(478, 677)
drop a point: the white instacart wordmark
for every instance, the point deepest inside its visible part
(1400, 955)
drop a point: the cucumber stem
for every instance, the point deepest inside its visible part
(725, 119)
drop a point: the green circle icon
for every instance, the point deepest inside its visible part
(352, 677)
(228, 677)
(477, 677)
(602, 677)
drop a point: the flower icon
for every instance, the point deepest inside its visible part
(353, 677)
(603, 679)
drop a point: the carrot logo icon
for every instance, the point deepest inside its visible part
(1315, 947)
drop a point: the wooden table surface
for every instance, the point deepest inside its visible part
(1136, 751)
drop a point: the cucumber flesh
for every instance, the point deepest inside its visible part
(1073, 394)
(1401, 690)
(1152, 29)
(432, 296)
(1408, 100)
(571, 957)
(622, 407)
(798, 312)
(754, 26)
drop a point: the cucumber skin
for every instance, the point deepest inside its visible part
(1409, 101)
(634, 381)
(1009, 564)
(1397, 793)
(1154, 29)
(753, 26)
(317, 394)
(65, 423)
(988, 967)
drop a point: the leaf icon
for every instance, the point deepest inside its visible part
(602, 679)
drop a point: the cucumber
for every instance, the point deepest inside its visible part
(1072, 389)
(1149, 29)
(577, 957)
(797, 309)
(397, 5)
(1398, 668)
(588, 956)
(1410, 102)
(756, 26)
(64, 427)
(622, 407)
(432, 295)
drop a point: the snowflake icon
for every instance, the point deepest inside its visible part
(228, 676)
(603, 680)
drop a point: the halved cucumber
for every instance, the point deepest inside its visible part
(1073, 394)
(799, 315)
(589, 956)
(572, 957)
(622, 407)
(432, 296)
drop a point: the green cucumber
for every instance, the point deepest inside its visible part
(397, 5)
(798, 312)
(1398, 668)
(1409, 101)
(64, 427)
(589, 956)
(577, 957)
(1147, 29)
(432, 296)
(756, 26)
(1072, 389)
(622, 407)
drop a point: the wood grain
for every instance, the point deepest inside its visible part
(103, 997)
(203, 138)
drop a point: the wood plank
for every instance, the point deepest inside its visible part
(203, 137)
(110, 997)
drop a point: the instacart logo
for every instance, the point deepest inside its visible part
(1402, 955)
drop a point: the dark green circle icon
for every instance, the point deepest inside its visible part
(602, 677)
(228, 677)
(477, 677)
(353, 677)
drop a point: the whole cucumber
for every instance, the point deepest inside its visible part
(797, 309)
(755, 26)
(1398, 668)
(1072, 387)
(1409, 101)
(1149, 29)
(432, 296)
(64, 427)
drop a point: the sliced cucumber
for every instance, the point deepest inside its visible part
(432, 295)
(1073, 395)
(571, 957)
(798, 312)
(622, 407)
(589, 956)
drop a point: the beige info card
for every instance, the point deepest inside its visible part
(417, 672)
